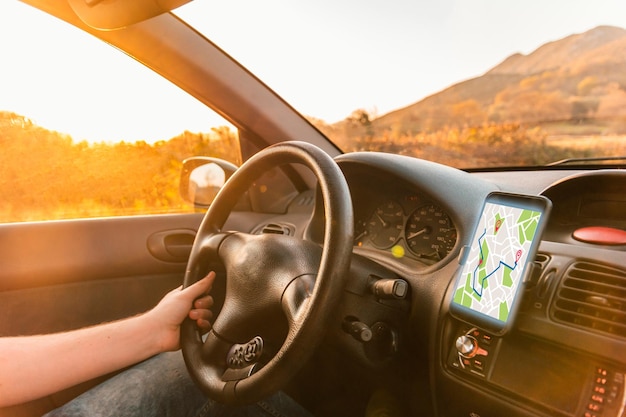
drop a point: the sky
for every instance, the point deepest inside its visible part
(325, 57)
(330, 57)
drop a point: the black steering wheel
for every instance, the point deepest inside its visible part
(281, 291)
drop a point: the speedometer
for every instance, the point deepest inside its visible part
(430, 233)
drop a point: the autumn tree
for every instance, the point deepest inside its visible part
(46, 175)
(468, 112)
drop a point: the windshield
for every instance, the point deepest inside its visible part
(471, 83)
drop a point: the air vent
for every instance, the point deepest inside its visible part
(306, 200)
(539, 265)
(593, 296)
(540, 279)
(276, 229)
(542, 259)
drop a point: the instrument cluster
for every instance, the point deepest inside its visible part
(406, 225)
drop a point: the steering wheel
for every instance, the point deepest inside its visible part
(281, 290)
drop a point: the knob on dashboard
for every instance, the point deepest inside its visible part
(466, 345)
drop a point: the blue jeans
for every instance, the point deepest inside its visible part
(161, 386)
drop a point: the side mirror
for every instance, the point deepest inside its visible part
(202, 177)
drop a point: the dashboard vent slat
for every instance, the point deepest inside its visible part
(275, 229)
(593, 296)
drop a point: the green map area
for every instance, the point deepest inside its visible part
(494, 267)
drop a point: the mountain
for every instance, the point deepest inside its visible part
(582, 76)
(571, 52)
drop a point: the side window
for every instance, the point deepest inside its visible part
(86, 131)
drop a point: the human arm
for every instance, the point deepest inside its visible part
(34, 366)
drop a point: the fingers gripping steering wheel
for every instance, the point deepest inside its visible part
(281, 290)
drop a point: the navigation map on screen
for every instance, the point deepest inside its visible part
(494, 267)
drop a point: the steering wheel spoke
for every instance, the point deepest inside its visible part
(296, 297)
(205, 250)
(213, 349)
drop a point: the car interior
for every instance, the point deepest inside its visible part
(360, 254)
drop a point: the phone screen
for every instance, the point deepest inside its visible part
(505, 240)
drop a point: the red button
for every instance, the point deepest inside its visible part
(601, 235)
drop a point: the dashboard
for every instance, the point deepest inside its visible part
(564, 355)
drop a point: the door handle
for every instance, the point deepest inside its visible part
(172, 245)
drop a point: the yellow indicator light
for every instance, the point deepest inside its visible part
(397, 251)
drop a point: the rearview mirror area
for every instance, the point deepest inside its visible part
(116, 14)
(202, 177)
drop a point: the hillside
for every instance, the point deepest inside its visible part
(569, 52)
(582, 76)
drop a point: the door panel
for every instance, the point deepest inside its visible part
(61, 252)
(57, 276)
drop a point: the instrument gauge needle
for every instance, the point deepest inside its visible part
(361, 235)
(416, 234)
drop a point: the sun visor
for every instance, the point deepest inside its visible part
(116, 14)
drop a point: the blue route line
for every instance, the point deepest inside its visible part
(482, 259)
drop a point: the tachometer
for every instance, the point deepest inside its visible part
(385, 224)
(430, 233)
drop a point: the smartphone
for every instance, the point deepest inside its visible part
(495, 264)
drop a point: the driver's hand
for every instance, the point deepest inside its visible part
(201, 313)
(193, 302)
